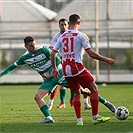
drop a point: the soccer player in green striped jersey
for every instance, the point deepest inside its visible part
(39, 59)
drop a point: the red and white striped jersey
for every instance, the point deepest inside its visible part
(54, 40)
(71, 43)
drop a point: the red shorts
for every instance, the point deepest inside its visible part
(84, 79)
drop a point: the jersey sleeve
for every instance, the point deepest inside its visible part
(57, 46)
(53, 41)
(8, 70)
(12, 66)
(47, 51)
(20, 60)
(85, 42)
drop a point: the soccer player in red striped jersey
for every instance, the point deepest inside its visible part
(71, 43)
(63, 26)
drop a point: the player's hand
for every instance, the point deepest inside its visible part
(85, 91)
(55, 73)
(110, 61)
(46, 75)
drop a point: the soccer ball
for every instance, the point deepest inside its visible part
(121, 113)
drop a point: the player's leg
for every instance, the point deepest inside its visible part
(40, 95)
(47, 86)
(62, 97)
(94, 99)
(88, 80)
(94, 103)
(77, 108)
(71, 98)
(62, 82)
(108, 104)
(102, 100)
(76, 99)
(52, 97)
(86, 104)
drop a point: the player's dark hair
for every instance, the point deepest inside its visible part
(28, 39)
(62, 20)
(73, 19)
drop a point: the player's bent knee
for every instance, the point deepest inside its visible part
(37, 97)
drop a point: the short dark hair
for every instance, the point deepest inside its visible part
(62, 20)
(74, 18)
(28, 39)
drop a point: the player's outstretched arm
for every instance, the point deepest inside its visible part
(8, 70)
(97, 56)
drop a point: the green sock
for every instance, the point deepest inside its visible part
(62, 95)
(45, 110)
(71, 98)
(101, 99)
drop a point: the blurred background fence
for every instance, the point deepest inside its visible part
(109, 25)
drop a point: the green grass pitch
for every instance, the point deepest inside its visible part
(20, 114)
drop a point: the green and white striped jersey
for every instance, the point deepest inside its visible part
(40, 60)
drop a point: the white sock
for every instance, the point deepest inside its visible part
(79, 119)
(51, 101)
(86, 100)
(50, 117)
(105, 101)
(95, 117)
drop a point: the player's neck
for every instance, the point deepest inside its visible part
(61, 32)
(73, 27)
(33, 52)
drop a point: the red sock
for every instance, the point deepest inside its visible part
(77, 105)
(53, 94)
(94, 102)
(85, 96)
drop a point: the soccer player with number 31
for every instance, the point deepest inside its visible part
(71, 43)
